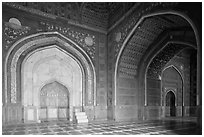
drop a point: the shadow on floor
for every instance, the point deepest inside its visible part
(187, 126)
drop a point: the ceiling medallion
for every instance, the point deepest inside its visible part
(14, 23)
(181, 67)
(89, 41)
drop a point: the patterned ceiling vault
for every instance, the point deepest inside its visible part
(58, 9)
(140, 10)
(117, 10)
(160, 60)
(23, 7)
(95, 14)
(144, 36)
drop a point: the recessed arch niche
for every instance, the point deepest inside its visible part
(130, 64)
(54, 102)
(172, 82)
(51, 64)
(170, 104)
(53, 49)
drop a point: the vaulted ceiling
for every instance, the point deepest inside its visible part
(162, 58)
(150, 30)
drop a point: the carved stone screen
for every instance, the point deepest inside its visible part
(54, 102)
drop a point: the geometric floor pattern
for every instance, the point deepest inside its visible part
(157, 127)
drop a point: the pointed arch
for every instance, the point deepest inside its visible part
(182, 81)
(170, 103)
(182, 15)
(173, 66)
(35, 41)
(178, 90)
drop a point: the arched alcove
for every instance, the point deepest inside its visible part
(144, 43)
(170, 104)
(172, 82)
(50, 51)
(49, 64)
(54, 102)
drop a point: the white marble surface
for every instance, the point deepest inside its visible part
(46, 66)
(30, 114)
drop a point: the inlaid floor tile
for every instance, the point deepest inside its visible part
(62, 133)
(157, 127)
(120, 133)
(6, 133)
(19, 133)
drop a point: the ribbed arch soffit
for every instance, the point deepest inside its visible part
(159, 61)
(147, 32)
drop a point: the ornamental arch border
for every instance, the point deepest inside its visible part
(82, 56)
(181, 14)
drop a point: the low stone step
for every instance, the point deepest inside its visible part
(81, 117)
(82, 120)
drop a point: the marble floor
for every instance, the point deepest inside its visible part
(156, 127)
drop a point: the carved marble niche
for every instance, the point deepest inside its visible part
(47, 57)
(54, 102)
(48, 38)
(51, 66)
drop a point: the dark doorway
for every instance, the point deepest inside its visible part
(170, 104)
